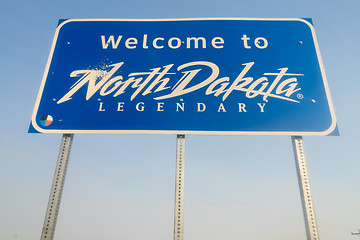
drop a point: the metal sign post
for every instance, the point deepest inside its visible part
(305, 189)
(57, 187)
(179, 188)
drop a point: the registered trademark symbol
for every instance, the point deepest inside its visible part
(300, 96)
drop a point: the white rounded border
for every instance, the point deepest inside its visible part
(326, 86)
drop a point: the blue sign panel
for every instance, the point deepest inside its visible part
(185, 76)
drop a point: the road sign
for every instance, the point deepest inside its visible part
(185, 76)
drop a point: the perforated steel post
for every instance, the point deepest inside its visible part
(56, 189)
(179, 188)
(305, 189)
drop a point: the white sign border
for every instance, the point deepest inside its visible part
(327, 91)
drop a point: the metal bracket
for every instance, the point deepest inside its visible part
(57, 188)
(305, 189)
(179, 188)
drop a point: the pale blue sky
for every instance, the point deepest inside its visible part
(121, 186)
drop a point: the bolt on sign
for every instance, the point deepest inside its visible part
(226, 76)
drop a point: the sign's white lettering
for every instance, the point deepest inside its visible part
(113, 42)
(180, 107)
(280, 85)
